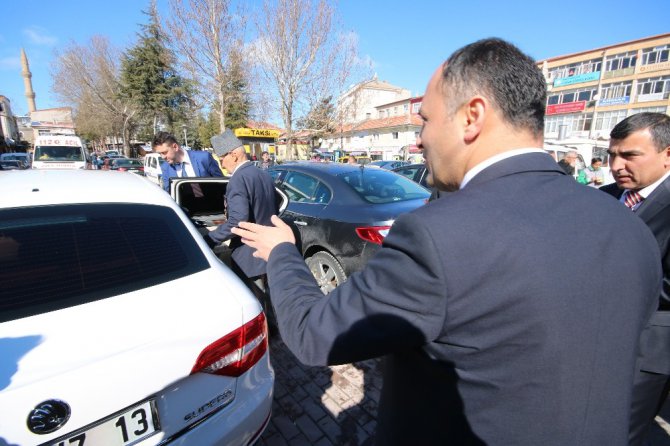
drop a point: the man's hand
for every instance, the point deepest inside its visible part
(264, 238)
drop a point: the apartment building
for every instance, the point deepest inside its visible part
(589, 92)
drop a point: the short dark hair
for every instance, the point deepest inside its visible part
(162, 138)
(507, 76)
(657, 123)
(596, 160)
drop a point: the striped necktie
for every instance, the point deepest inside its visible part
(632, 198)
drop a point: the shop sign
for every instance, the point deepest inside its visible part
(614, 101)
(570, 107)
(257, 133)
(586, 77)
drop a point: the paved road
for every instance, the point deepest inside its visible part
(337, 405)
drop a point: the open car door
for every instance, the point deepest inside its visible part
(203, 199)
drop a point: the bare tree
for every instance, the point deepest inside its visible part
(302, 55)
(88, 76)
(205, 33)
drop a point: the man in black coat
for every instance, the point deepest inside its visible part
(483, 301)
(250, 196)
(640, 162)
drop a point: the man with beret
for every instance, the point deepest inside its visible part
(250, 196)
(180, 162)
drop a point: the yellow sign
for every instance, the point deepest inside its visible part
(257, 133)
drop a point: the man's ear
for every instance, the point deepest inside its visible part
(475, 114)
(666, 158)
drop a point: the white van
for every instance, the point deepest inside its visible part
(152, 168)
(60, 152)
(586, 149)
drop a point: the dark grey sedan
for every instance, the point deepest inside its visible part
(342, 213)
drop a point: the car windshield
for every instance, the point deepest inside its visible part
(382, 186)
(54, 257)
(128, 163)
(59, 153)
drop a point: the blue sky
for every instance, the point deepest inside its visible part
(405, 40)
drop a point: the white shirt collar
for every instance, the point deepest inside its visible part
(238, 166)
(470, 174)
(646, 191)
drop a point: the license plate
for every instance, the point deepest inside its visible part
(121, 429)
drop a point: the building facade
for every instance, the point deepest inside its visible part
(9, 132)
(589, 92)
(360, 101)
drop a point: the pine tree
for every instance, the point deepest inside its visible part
(150, 82)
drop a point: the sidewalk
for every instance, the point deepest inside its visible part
(322, 405)
(337, 405)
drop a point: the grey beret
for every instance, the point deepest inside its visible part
(225, 142)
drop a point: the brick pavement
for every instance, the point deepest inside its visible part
(322, 406)
(337, 405)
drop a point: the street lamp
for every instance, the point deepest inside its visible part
(185, 139)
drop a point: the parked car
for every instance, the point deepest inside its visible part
(118, 325)
(152, 168)
(415, 172)
(389, 164)
(17, 156)
(342, 213)
(12, 165)
(128, 165)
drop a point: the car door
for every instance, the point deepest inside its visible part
(307, 199)
(202, 198)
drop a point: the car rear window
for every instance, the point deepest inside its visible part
(53, 257)
(382, 186)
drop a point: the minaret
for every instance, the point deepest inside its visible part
(27, 75)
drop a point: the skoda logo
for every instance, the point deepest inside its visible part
(48, 416)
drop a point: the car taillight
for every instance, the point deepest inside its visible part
(237, 352)
(122, 169)
(374, 234)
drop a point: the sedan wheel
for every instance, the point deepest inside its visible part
(326, 270)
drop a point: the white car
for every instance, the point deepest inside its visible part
(118, 325)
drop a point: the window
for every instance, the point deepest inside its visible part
(620, 61)
(375, 136)
(382, 186)
(300, 187)
(368, 115)
(405, 108)
(575, 122)
(660, 109)
(416, 107)
(655, 55)
(66, 255)
(574, 69)
(395, 135)
(656, 85)
(567, 96)
(616, 90)
(607, 120)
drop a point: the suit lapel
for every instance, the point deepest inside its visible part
(656, 202)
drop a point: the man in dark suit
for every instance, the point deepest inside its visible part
(250, 196)
(640, 161)
(483, 301)
(182, 163)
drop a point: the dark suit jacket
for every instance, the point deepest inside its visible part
(203, 163)
(250, 196)
(655, 341)
(503, 308)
